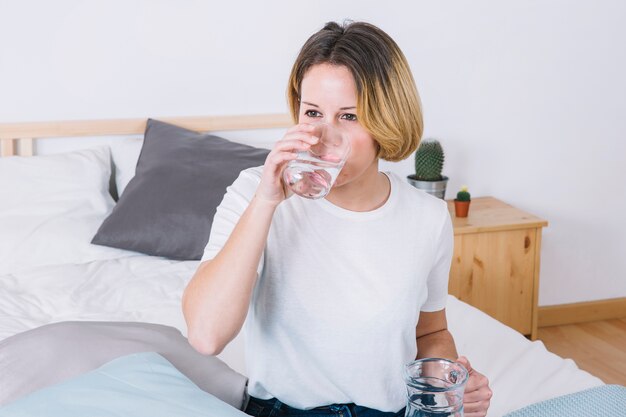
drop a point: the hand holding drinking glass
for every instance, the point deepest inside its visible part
(298, 138)
(477, 396)
(435, 388)
(314, 171)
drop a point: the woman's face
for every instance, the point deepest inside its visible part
(328, 94)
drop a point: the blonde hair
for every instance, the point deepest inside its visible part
(388, 104)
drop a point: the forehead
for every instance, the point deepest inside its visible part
(329, 85)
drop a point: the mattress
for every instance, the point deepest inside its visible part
(148, 289)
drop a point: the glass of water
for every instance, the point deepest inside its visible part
(435, 388)
(313, 172)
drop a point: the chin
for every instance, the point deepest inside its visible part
(341, 180)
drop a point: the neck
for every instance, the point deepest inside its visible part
(366, 193)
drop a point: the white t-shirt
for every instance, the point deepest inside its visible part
(333, 314)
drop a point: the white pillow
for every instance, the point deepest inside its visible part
(125, 154)
(51, 206)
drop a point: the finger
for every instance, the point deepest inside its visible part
(466, 363)
(302, 130)
(295, 134)
(481, 394)
(477, 414)
(478, 407)
(279, 154)
(475, 382)
(472, 384)
(301, 127)
(288, 191)
(290, 145)
(306, 136)
(276, 160)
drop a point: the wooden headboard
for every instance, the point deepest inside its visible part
(17, 138)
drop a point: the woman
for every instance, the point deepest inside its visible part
(337, 294)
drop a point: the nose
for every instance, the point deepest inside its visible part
(328, 120)
(332, 121)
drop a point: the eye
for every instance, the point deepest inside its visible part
(349, 116)
(312, 113)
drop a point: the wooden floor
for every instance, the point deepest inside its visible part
(598, 347)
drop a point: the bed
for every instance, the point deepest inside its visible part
(73, 313)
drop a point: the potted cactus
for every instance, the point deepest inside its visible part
(462, 202)
(429, 159)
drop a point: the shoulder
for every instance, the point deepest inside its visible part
(239, 194)
(419, 201)
(252, 174)
(247, 181)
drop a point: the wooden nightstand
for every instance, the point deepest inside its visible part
(495, 266)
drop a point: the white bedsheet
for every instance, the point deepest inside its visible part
(520, 372)
(149, 289)
(135, 288)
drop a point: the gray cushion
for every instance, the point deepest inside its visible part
(167, 208)
(57, 352)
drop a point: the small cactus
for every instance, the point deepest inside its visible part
(463, 195)
(429, 159)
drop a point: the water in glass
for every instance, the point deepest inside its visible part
(435, 388)
(313, 173)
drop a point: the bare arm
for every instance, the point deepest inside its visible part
(435, 341)
(433, 338)
(215, 302)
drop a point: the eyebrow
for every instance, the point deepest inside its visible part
(341, 108)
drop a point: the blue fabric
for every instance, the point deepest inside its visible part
(274, 408)
(141, 384)
(604, 401)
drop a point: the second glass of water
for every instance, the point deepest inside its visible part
(313, 173)
(435, 388)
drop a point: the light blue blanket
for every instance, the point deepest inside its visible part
(604, 401)
(141, 384)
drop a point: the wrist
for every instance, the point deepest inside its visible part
(263, 204)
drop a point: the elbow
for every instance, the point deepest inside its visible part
(204, 343)
(199, 337)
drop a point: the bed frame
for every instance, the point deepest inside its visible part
(17, 138)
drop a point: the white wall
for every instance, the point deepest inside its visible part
(528, 97)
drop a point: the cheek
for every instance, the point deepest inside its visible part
(362, 155)
(363, 150)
